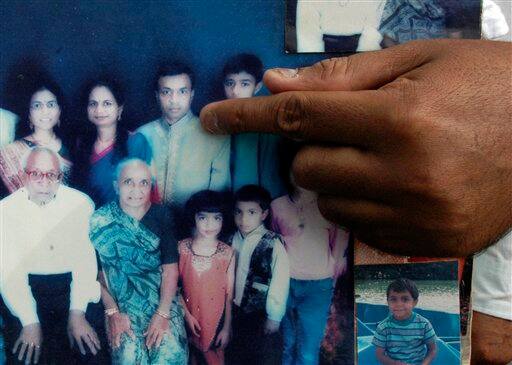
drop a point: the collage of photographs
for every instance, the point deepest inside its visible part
(132, 235)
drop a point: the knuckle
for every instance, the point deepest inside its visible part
(328, 68)
(404, 89)
(292, 114)
(411, 115)
(415, 52)
(335, 68)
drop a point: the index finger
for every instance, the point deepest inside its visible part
(351, 117)
(361, 71)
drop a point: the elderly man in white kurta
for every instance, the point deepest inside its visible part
(345, 18)
(48, 265)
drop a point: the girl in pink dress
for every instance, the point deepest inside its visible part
(207, 268)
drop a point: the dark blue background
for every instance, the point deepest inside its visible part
(76, 39)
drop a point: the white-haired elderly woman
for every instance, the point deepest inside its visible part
(139, 271)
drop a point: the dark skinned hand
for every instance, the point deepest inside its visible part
(409, 147)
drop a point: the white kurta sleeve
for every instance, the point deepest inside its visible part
(16, 292)
(494, 23)
(279, 284)
(84, 288)
(309, 31)
(370, 36)
(14, 287)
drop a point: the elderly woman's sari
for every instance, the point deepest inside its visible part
(130, 258)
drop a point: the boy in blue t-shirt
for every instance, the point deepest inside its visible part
(404, 337)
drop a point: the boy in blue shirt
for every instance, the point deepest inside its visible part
(404, 337)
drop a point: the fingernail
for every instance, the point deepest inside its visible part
(212, 122)
(289, 73)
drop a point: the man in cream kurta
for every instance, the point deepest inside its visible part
(186, 159)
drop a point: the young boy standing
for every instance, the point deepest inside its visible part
(262, 281)
(253, 154)
(404, 337)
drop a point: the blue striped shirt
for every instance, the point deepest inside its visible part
(405, 340)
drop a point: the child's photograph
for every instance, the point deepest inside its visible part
(348, 26)
(408, 313)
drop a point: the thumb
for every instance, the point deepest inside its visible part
(362, 71)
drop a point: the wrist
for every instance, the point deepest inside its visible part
(32, 324)
(164, 308)
(109, 312)
(163, 314)
(76, 313)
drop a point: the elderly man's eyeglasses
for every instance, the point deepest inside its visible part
(38, 176)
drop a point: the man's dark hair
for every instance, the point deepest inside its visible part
(244, 62)
(173, 68)
(254, 193)
(401, 285)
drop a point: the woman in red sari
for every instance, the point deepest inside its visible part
(39, 126)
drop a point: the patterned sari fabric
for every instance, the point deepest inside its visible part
(408, 20)
(11, 169)
(130, 259)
